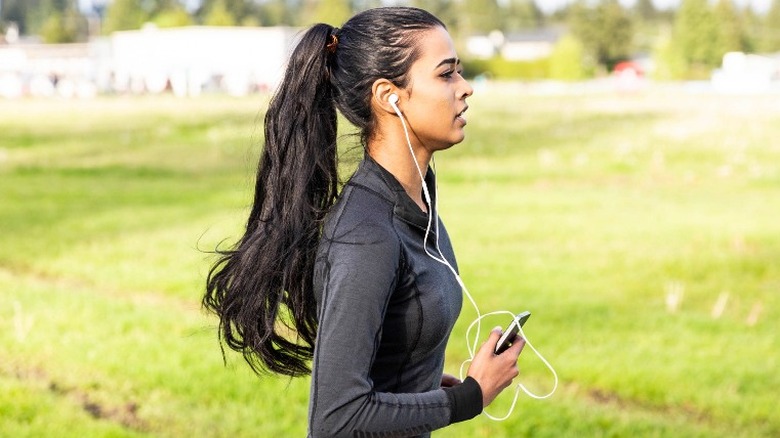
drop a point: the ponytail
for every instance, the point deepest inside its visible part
(262, 288)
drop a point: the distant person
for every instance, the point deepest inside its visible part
(343, 279)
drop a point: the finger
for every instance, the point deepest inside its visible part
(489, 346)
(492, 341)
(517, 345)
(448, 380)
(494, 335)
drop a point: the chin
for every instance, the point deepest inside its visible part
(445, 146)
(450, 142)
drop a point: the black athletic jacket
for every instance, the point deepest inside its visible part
(385, 311)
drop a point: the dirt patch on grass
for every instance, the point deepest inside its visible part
(604, 397)
(126, 414)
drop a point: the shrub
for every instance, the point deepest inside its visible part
(567, 59)
(501, 68)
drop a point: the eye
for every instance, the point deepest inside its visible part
(447, 74)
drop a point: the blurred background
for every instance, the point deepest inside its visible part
(88, 47)
(620, 179)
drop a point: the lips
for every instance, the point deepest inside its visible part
(461, 116)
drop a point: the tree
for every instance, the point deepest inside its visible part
(770, 36)
(669, 61)
(362, 5)
(696, 34)
(219, 15)
(174, 16)
(30, 15)
(750, 23)
(66, 26)
(238, 10)
(333, 12)
(276, 13)
(56, 21)
(444, 10)
(522, 14)
(124, 15)
(156, 7)
(479, 17)
(56, 30)
(14, 11)
(730, 36)
(645, 11)
(606, 31)
(616, 23)
(567, 59)
(648, 24)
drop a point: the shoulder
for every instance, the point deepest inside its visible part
(362, 217)
(360, 253)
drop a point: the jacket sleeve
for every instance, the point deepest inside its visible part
(357, 280)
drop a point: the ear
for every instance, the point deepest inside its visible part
(380, 95)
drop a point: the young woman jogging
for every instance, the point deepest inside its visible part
(345, 282)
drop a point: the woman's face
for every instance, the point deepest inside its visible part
(435, 99)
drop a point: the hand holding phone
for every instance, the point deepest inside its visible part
(509, 335)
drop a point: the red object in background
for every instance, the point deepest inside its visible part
(628, 67)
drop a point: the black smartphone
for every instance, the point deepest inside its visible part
(508, 337)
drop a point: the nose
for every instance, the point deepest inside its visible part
(465, 90)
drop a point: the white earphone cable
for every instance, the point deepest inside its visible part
(426, 193)
(471, 347)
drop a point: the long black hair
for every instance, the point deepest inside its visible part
(261, 289)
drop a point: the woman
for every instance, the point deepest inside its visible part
(344, 278)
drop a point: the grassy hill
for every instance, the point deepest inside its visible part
(640, 229)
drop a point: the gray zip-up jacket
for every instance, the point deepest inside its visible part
(385, 311)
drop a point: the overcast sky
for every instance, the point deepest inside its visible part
(545, 5)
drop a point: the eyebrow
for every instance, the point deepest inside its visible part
(455, 61)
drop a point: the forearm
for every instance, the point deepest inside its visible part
(342, 413)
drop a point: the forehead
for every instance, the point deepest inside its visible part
(435, 46)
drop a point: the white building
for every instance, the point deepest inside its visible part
(530, 46)
(186, 61)
(190, 60)
(519, 46)
(45, 69)
(746, 73)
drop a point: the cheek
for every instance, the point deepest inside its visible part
(429, 103)
(436, 102)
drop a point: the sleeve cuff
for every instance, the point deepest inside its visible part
(465, 399)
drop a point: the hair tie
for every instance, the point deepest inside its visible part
(334, 41)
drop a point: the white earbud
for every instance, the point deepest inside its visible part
(393, 99)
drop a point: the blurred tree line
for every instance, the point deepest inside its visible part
(684, 42)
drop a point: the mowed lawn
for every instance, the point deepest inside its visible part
(641, 230)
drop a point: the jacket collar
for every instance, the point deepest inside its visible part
(374, 176)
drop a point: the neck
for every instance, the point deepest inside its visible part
(398, 161)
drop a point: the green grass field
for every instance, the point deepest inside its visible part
(641, 230)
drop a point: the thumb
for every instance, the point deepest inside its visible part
(495, 334)
(489, 346)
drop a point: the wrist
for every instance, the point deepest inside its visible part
(466, 400)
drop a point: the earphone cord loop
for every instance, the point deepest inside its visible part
(472, 352)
